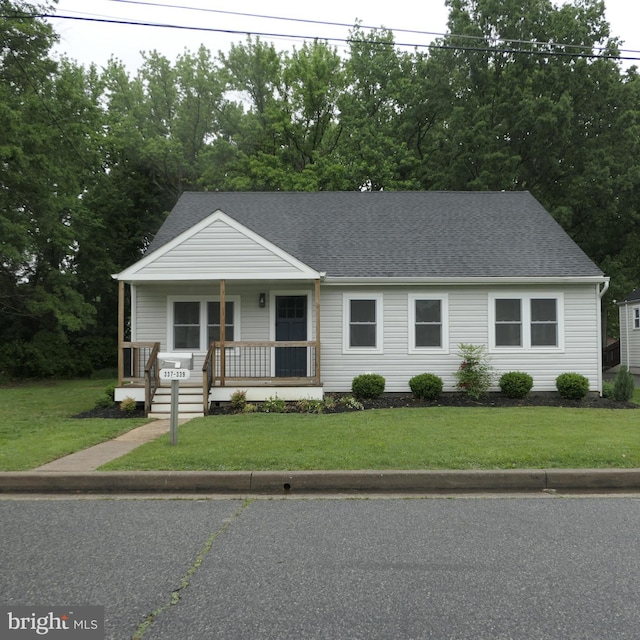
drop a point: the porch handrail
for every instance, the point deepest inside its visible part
(151, 376)
(228, 346)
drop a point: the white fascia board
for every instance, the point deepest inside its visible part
(130, 273)
(174, 277)
(466, 281)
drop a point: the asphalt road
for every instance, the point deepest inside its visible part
(555, 568)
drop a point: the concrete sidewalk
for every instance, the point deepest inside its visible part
(93, 457)
(77, 473)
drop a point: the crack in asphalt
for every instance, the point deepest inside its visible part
(185, 580)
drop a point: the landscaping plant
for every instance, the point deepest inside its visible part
(475, 374)
(426, 386)
(572, 386)
(623, 385)
(516, 384)
(368, 386)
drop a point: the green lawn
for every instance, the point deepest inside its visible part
(36, 424)
(428, 438)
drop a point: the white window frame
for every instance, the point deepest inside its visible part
(525, 302)
(202, 300)
(636, 318)
(444, 322)
(346, 322)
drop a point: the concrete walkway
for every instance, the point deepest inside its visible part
(93, 457)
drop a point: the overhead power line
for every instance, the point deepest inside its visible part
(550, 52)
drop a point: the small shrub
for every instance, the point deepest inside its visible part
(238, 399)
(426, 386)
(329, 403)
(308, 405)
(572, 386)
(104, 402)
(351, 403)
(110, 391)
(516, 384)
(368, 386)
(274, 405)
(250, 407)
(607, 389)
(128, 405)
(623, 385)
(475, 374)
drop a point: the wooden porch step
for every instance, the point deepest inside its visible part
(189, 403)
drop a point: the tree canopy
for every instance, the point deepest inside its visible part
(519, 95)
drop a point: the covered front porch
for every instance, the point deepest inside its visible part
(287, 365)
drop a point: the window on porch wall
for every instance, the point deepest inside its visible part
(196, 323)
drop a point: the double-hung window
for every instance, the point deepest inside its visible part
(428, 323)
(526, 321)
(362, 324)
(636, 318)
(194, 322)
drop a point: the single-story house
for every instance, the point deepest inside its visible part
(629, 312)
(293, 294)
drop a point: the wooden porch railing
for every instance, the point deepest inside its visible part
(264, 361)
(140, 367)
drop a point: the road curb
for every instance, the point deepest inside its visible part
(291, 482)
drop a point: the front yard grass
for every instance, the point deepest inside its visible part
(425, 438)
(36, 424)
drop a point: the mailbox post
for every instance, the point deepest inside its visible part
(182, 362)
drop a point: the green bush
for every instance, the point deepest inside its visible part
(572, 386)
(475, 374)
(104, 402)
(516, 384)
(607, 389)
(350, 402)
(238, 399)
(128, 405)
(309, 405)
(274, 405)
(426, 386)
(110, 390)
(623, 385)
(368, 386)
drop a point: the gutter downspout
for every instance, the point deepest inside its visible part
(601, 293)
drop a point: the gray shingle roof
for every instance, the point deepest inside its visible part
(398, 234)
(632, 297)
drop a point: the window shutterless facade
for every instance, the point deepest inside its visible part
(428, 323)
(362, 323)
(532, 322)
(636, 318)
(195, 322)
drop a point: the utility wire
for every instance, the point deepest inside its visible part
(588, 54)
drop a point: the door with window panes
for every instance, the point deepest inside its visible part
(291, 325)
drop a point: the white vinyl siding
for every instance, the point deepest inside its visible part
(468, 322)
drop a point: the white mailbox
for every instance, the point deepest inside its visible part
(177, 360)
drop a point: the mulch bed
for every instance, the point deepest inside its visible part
(393, 401)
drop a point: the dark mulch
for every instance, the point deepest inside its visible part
(392, 401)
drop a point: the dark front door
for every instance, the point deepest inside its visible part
(291, 325)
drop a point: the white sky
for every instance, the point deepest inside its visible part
(88, 42)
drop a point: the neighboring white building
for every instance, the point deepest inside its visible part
(356, 282)
(629, 310)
